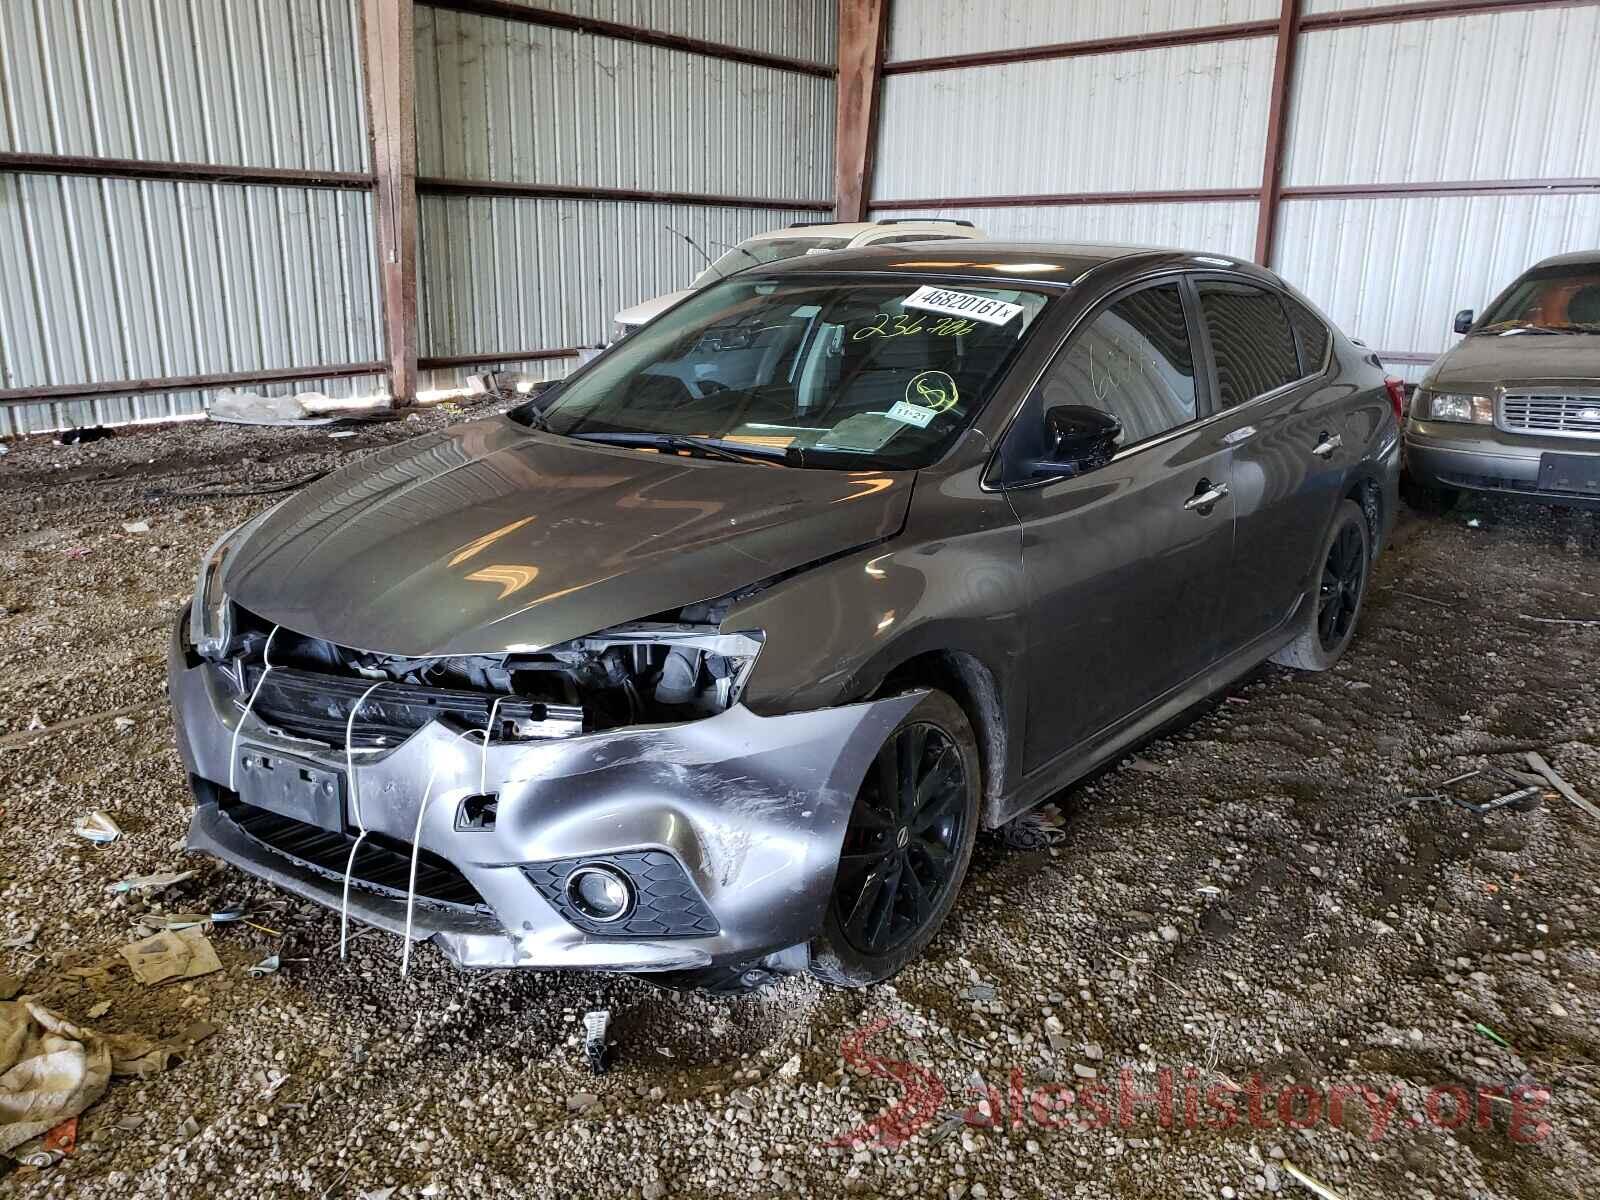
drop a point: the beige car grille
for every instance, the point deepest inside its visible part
(1553, 413)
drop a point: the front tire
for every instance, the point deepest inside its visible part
(1329, 622)
(906, 848)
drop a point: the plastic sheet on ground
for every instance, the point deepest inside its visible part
(52, 1069)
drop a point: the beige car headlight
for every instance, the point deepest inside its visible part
(1455, 406)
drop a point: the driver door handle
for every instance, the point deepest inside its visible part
(1203, 502)
(1329, 443)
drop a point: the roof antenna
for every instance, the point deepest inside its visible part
(691, 241)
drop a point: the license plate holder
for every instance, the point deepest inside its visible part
(292, 787)
(1578, 474)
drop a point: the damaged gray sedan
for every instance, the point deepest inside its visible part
(712, 660)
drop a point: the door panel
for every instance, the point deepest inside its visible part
(1290, 446)
(1125, 568)
(1284, 496)
(1125, 586)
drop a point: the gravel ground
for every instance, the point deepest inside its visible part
(1251, 902)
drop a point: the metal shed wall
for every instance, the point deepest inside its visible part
(107, 279)
(1430, 103)
(513, 274)
(1429, 151)
(933, 28)
(509, 101)
(788, 28)
(1175, 118)
(524, 129)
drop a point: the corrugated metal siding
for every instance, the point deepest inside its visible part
(167, 406)
(517, 274)
(510, 101)
(1181, 117)
(437, 384)
(801, 29)
(1226, 227)
(110, 279)
(1393, 272)
(932, 28)
(270, 83)
(1511, 95)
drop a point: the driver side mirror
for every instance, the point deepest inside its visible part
(1464, 320)
(1077, 438)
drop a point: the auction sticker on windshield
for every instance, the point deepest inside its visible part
(961, 304)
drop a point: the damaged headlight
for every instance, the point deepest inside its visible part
(210, 614)
(648, 672)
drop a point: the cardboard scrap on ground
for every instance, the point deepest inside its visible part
(171, 954)
(51, 1069)
(150, 883)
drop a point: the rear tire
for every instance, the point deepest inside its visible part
(906, 848)
(1329, 622)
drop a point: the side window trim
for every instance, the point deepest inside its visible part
(1205, 408)
(1196, 278)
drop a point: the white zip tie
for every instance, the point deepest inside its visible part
(483, 760)
(411, 885)
(355, 804)
(233, 749)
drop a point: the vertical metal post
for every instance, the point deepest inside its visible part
(1277, 129)
(863, 29)
(390, 68)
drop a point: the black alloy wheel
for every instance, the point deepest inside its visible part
(1343, 575)
(902, 849)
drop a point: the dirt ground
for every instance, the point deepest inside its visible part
(1251, 903)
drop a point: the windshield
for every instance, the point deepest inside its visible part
(835, 373)
(1559, 299)
(758, 252)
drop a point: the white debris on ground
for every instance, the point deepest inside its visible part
(1250, 897)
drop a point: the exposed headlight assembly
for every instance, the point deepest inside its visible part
(1455, 406)
(210, 613)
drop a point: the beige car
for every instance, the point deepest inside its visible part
(805, 237)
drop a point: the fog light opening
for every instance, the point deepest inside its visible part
(600, 894)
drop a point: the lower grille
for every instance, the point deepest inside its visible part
(667, 904)
(1558, 414)
(382, 865)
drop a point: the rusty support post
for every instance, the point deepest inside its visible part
(391, 111)
(1277, 129)
(863, 29)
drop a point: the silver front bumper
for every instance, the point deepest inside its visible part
(753, 808)
(1452, 455)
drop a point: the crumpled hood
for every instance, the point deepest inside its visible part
(490, 536)
(1488, 362)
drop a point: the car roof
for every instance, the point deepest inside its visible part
(854, 229)
(1057, 264)
(1578, 258)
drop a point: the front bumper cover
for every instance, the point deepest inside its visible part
(753, 808)
(1488, 459)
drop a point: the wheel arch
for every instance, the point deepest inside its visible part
(973, 685)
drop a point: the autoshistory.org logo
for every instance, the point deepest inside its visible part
(1178, 1097)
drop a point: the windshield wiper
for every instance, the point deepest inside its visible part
(1502, 328)
(708, 447)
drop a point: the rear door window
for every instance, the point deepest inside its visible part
(1134, 361)
(1312, 335)
(1251, 340)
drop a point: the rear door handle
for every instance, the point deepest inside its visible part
(1203, 502)
(1329, 443)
